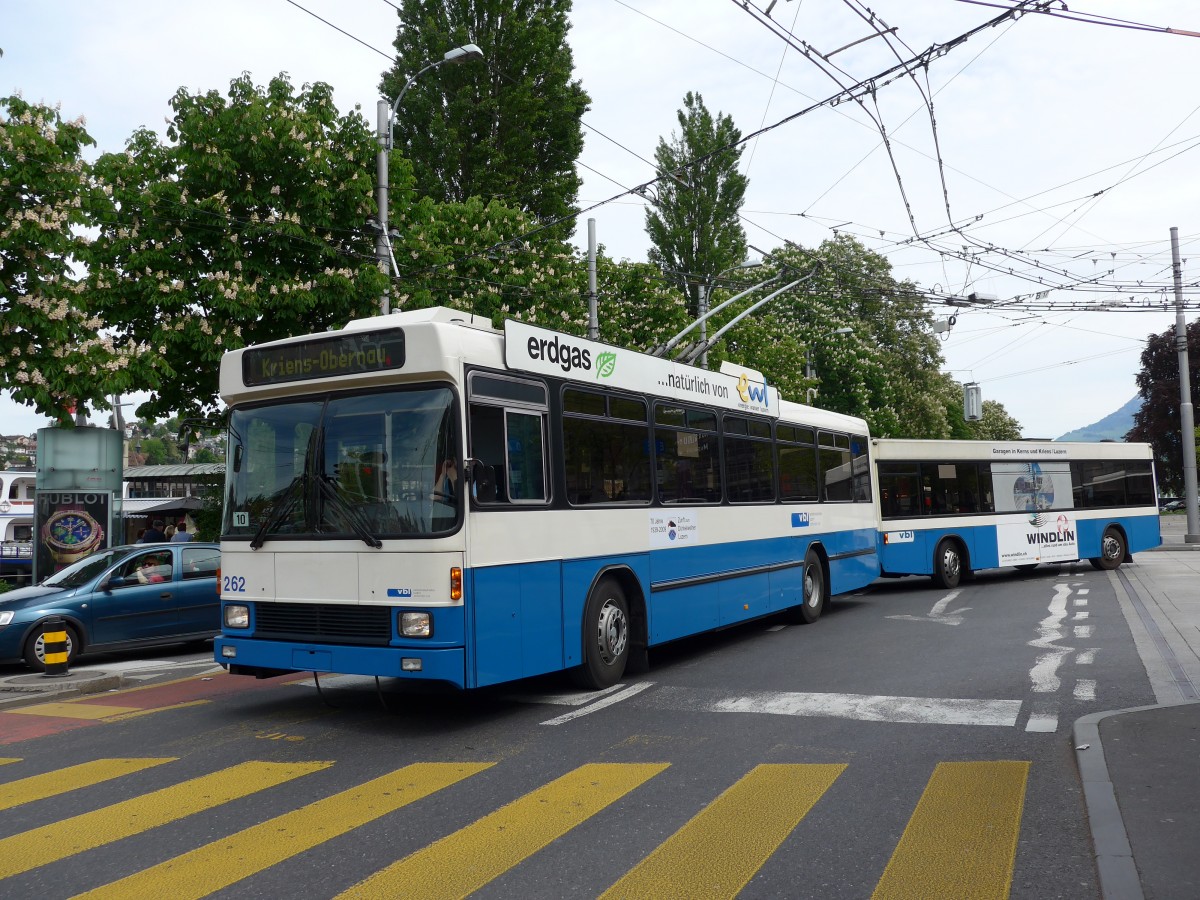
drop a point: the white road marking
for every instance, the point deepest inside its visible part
(574, 698)
(1080, 615)
(601, 704)
(868, 708)
(1081, 603)
(1083, 631)
(1044, 674)
(1085, 689)
(1086, 657)
(1043, 718)
(777, 628)
(938, 613)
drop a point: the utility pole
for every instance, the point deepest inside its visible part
(383, 128)
(593, 311)
(1187, 419)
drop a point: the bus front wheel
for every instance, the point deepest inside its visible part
(605, 637)
(1112, 550)
(947, 565)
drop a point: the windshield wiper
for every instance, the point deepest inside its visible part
(279, 510)
(348, 513)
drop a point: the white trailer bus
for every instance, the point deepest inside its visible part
(948, 508)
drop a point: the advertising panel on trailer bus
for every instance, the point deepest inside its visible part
(948, 508)
(423, 496)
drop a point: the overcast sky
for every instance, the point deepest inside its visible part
(1068, 150)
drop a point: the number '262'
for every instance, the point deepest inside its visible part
(233, 584)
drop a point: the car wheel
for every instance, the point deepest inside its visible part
(35, 648)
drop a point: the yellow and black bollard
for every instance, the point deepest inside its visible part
(54, 646)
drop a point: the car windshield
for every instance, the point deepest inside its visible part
(85, 570)
(358, 466)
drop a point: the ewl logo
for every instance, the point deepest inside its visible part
(751, 393)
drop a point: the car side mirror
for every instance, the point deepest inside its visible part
(114, 581)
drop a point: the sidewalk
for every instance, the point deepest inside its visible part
(1141, 767)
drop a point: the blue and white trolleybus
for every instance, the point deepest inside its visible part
(422, 496)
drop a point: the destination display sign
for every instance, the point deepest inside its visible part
(324, 357)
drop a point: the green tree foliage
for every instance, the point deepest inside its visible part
(1158, 422)
(996, 424)
(867, 336)
(246, 226)
(506, 128)
(694, 226)
(53, 352)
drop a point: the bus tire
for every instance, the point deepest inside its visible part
(814, 591)
(1112, 550)
(948, 564)
(606, 636)
(35, 654)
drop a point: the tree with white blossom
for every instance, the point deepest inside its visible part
(55, 354)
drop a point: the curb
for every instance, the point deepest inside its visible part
(13, 693)
(1119, 878)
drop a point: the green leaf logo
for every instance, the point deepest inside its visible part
(606, 363)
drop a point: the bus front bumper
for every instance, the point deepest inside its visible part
(266, 659)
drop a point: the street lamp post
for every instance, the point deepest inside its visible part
(385, 115)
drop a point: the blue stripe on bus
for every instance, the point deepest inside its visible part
(915, 557)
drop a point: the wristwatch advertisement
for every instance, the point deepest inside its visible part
(70, 526)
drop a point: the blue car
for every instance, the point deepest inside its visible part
(117, 599)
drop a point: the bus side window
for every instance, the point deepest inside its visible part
(487, 446)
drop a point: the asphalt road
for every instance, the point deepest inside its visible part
(913, 743)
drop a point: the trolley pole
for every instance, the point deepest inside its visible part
(1187, 419)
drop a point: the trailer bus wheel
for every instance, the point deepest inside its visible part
(1112, 550)
(947, 564)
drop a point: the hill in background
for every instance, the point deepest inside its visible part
(1112, 427)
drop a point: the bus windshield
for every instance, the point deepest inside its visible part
(365, 466)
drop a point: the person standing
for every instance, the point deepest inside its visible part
(154, 534)
(181, 535)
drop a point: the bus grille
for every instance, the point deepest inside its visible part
(325, 623)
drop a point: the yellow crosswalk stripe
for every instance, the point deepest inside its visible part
(50, 843)
(717, 852)
(471, 857)
(224, 862)
(961, 841)
(60, 781)
(5, 760)
(69, 710)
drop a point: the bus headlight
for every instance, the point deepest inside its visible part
(416, 624)
(237, 616)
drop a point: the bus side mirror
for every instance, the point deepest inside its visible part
(483, 481)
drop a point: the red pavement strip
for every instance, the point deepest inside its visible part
(54, 717)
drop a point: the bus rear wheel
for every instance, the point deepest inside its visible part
(814, 591)
(605, 637)
(947, 565)
(1112, 550)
